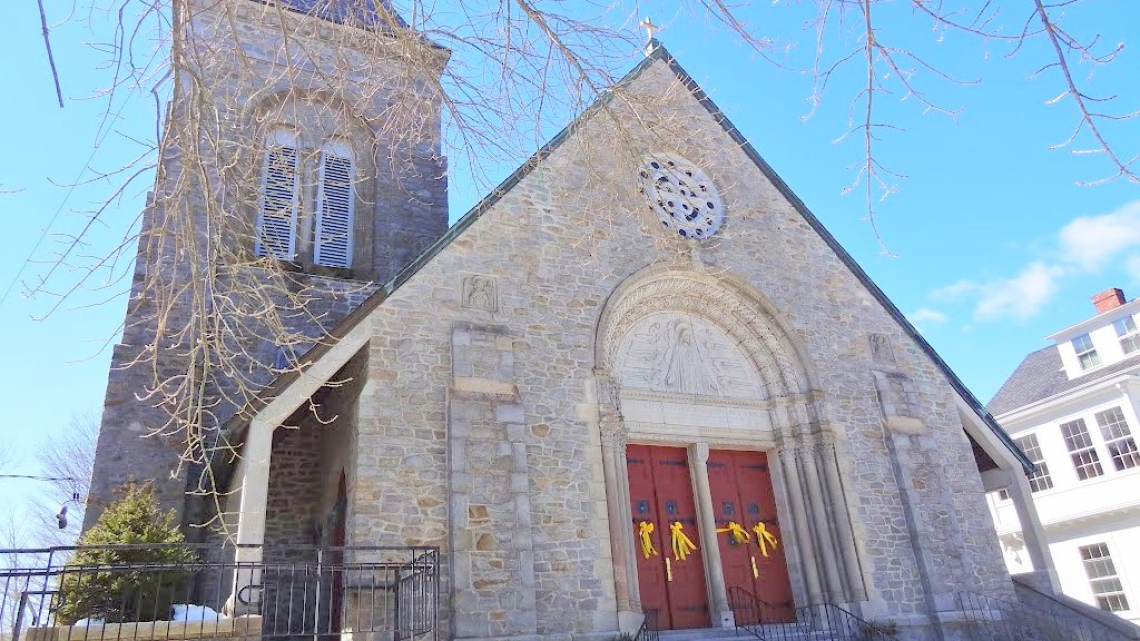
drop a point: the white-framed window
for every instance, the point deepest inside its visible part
(1128, 334)
(1081, 449)
(1118, 439)
(1086, 353)
(1039, 479)
(336, 202)
(1105, 583)
(277, 207)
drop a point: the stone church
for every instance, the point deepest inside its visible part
(640, 375)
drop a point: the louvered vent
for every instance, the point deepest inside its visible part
(334, 216)
(277, 220)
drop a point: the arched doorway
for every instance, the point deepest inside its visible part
(705, 401)
(684, 380)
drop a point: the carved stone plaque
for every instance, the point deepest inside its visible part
(481, 292)
(881, 351)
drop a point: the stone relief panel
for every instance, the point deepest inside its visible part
(677, 353)
(481, 292)
(881, 351)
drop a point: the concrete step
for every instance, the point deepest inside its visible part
(709, 634)
(785, 632)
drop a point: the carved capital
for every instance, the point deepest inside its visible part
(613, 433)
(699, 452)
(788, 452)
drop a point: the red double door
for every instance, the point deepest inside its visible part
(742, 494)
(661, 495)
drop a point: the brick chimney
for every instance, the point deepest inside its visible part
(1108, 299)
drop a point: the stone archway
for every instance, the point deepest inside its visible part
(700, 361)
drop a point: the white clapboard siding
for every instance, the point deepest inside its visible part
(277, 215)
(335, 209)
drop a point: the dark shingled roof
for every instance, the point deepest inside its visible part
(1042, 375)
(362, 13)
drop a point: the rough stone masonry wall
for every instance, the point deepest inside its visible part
(294, 488)
(492, 548)
(556, 246)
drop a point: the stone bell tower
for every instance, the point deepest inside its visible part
(301, 164)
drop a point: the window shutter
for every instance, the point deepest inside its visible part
(277, 217)
(335, 209)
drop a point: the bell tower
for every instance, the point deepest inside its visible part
(300, 169)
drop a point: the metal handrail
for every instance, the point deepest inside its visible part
(648, 630)
(830, 619)
(988, 617)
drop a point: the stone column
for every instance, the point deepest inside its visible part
(823, 517)
(626, 591)
(845, 534)
(800, 527)
(253, 475)
(710, 547)
(1045, 575)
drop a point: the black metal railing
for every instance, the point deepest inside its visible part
(988, 617)
(144, 592)
(648, 630)
(785, 622)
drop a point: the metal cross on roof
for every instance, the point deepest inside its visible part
(649, 27)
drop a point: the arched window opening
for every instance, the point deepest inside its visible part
(335, 205)
(277, 210)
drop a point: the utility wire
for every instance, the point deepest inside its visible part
(37, 478)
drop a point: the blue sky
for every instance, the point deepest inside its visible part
(995, 244)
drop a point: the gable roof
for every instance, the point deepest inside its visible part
(368, 14)
(1042, 375)
(657, 52)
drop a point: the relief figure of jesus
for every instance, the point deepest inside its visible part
(686, 371)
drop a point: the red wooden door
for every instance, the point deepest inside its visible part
(742, 493)
(661, 494)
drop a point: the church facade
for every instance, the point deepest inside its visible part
(640, 376)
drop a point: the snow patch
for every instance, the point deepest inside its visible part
(190, 612)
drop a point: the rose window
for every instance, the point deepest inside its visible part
(682, 196)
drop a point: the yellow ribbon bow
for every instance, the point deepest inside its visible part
(765, 538)
(682, 544)
(738, 533)
(644, 529)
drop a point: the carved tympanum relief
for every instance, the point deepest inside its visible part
(750, 330)
(682, 354)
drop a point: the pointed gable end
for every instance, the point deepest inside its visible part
(659, 54)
